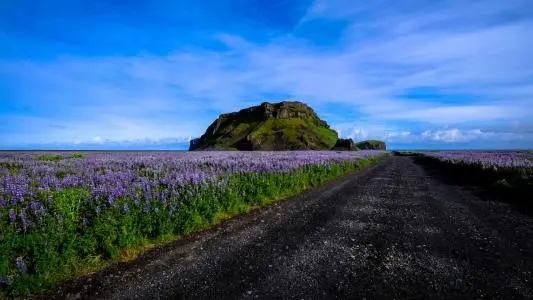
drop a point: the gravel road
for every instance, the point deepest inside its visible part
(393, 231)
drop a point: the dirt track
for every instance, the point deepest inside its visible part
(392, 231)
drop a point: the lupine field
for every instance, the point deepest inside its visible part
(500, 165)
(64, 214)
(510, 174)
(487, 160)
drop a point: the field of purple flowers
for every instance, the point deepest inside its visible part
(64, 213)
(487, 160)
(509, 175)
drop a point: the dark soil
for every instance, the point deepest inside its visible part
(395, 230)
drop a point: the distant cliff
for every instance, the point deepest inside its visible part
(345, 145)
(371, 145)
(288, 125)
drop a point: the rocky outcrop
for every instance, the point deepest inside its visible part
(371, 145)
(345, 145)
(288, 125)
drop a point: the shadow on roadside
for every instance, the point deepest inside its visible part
(486, 185)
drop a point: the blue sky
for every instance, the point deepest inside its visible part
(111, 74)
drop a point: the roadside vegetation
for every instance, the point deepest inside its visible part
(58, 157)
(507, 174)
(62, 218)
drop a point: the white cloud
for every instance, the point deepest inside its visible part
(98, 129)
(367, 130)
(455, 135)
(452, 135)
(359, 134)
(395, 135)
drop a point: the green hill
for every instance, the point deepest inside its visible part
(270, 126)
(371, 145)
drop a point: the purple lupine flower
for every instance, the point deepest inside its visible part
(3, 202)
(486, 160)
(126, 208)
(12, 215)
(116, 192)
(4, 280)
(36, 207)
(141, 176)
(20, 264)
(24, 218)
(111, 201)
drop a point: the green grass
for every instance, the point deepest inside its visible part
(13, 168)
(371, 144)
(50, 157)
(58, 157)
(71, 239)
(329, 136)
(295, 133)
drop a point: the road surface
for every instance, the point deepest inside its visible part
(395, 230)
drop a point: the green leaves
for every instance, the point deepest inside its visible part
(68, 203)
(50, 157)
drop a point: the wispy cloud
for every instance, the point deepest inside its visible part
(475, 53)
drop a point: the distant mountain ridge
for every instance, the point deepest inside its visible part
(287, 125)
